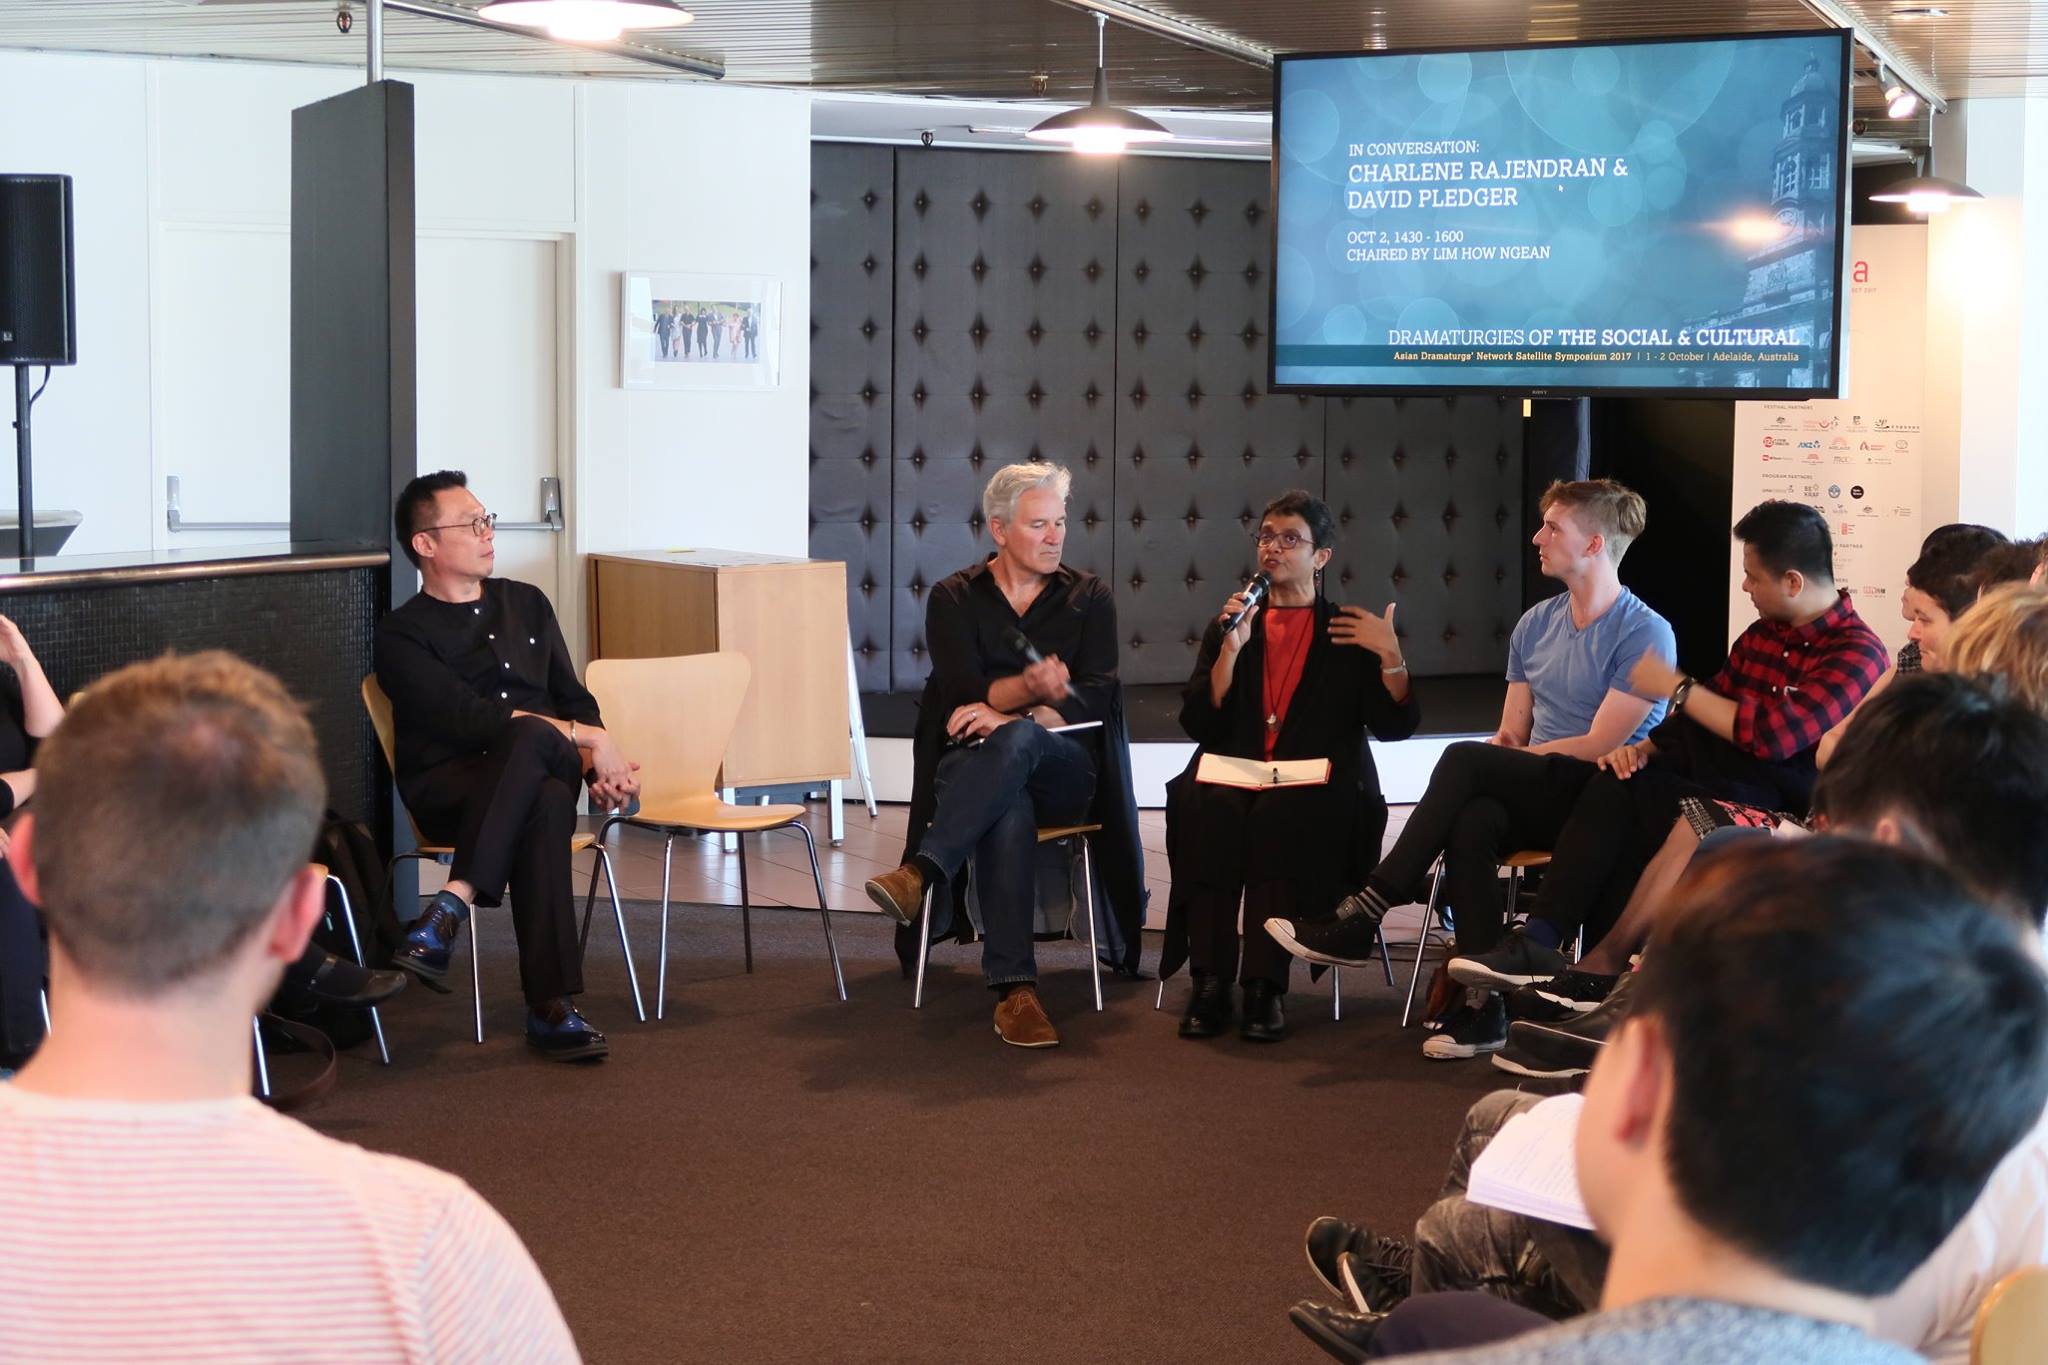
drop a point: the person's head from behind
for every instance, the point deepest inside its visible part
(2006, 635)
(1295, 538)
(1940, 586)
(1954, 765)
(2018, 561)
(442, 527)
(1587, 527)
(1832, 1045)
(1025, 506)
(1788, 558)
(168, 844)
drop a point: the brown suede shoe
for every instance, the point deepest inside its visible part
(1021, 1021)
(899, 894)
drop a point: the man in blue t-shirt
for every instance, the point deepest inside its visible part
(1568, 703)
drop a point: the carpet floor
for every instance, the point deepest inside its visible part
(771, 1175)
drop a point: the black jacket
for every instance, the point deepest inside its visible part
(1340, 698)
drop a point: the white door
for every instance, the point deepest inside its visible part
(490, 386)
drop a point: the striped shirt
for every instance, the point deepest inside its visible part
(218, 1231)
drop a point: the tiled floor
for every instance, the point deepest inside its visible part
(778, 871)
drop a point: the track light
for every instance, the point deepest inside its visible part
(1899, 102)
(1099, 126)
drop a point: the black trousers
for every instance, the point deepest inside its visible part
(509, 812)
(1260, 845)
(1616, 827)
(24, 962)
(1483, 803)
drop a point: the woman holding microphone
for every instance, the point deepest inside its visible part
(1294, 677)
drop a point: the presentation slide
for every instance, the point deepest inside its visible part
(1657, 216)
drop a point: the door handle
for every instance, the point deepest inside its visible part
(550, 510)
(174, 520)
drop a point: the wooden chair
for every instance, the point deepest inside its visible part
(379, 707)
(2012, 1322)
(1435, 924)
(676, 717)
(1048, 835)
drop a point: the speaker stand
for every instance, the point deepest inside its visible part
(25, 517)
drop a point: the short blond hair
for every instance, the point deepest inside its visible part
(172, 806)
(1614, 511)
(2005, 633)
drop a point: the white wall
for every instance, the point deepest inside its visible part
(182, 223)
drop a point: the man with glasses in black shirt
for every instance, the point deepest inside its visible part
(495, 734)
(1020, 645)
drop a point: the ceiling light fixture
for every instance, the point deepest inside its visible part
(1899, 102)
(1927, 194)
(1099, 126)
(589, 21)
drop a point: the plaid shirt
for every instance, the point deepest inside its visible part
(1792, 684)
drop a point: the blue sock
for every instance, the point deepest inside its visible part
(1543, 932)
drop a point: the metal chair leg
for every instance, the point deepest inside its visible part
(476, 975)
(262, 1065)
(746, 909)
(1386, 958)
(1159, 996)
(43, 999)
(348, 919)
(1430, 916)
(1088, 893)
(924, 947)
(824, 911)
(611, 882)
(1336, 992)
(661, 972)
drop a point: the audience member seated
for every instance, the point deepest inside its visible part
(1966, 539)
(1568, 703)
(29, 711)
(496, 736)
(1747, 735)
(1295, 678)
(149, 1207)
(1021, 646)
(1953, 766)
(1834, 1046)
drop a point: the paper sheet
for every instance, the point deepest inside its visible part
(1529, 1167)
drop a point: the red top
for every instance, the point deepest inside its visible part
(1288, 631)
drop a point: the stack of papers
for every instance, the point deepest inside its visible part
(1529, 1166)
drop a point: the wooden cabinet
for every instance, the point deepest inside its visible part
(787, 616)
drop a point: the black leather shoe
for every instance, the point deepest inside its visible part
(321, 978)
(1208, 1008)
(1265, 1019)
(431, 939)
(1344, 1335)
(560, 1034)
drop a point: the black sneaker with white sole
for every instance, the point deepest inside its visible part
(1471, 1030)
(1524, 1003)
(1347, 941)
(1547, 1052)
(1516, 960)
(1329, 1240)
(1376, 1280)
(1577, 991)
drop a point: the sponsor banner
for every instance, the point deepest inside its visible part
(1857, 459)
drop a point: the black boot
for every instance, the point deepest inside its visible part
(1208, 1008)
(1265, 1020)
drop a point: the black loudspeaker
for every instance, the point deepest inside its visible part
(38, 309)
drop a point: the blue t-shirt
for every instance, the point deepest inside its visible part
(1571, 671)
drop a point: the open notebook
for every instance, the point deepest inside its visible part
(1529, 1168)
(1258, 774)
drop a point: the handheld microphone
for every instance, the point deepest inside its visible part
(1254, 593)
(1019, 641)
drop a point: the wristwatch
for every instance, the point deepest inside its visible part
(1681, 692)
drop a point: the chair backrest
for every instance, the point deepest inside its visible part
(2012, 1322)
(674, 717)
(379, 707)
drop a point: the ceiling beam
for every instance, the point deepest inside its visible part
(1904, 69)
(653, 56)
(1176, 30)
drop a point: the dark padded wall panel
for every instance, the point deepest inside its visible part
(970, 309)
(1005, 351)
(1201, 447)
(1426, 494)
(852, 364)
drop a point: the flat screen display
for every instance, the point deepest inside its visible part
(1583, 218)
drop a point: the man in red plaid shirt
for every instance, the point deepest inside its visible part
(1747, 734)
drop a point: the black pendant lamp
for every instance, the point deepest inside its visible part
(1099, 126)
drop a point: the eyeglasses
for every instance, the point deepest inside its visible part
(478, 525)
(1286, 540)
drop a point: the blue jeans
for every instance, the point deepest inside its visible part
(992, 798)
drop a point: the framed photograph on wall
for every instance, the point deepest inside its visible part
(700, 331)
